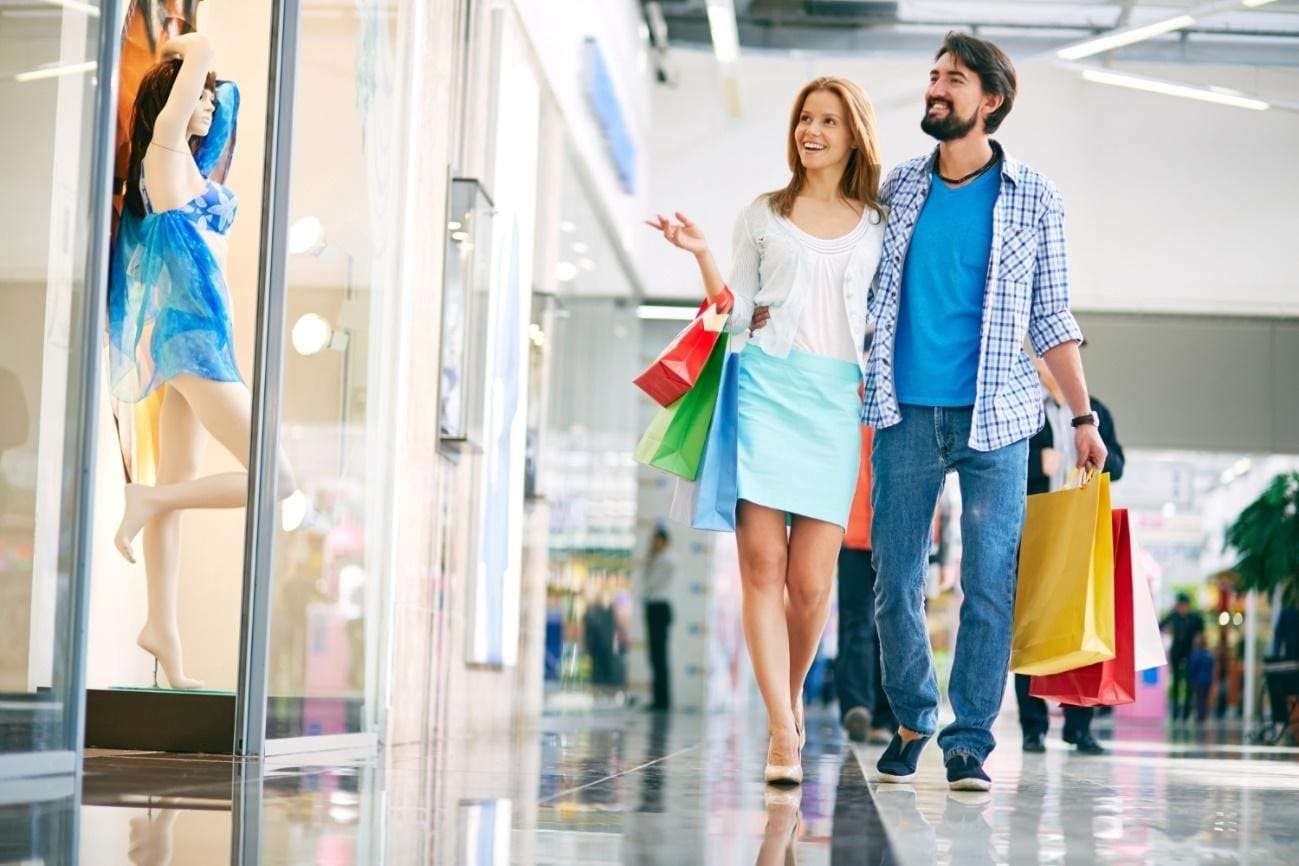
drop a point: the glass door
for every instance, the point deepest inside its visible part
(331, 387)
(55, 161)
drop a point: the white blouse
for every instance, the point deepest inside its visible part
(823, 327)
(772, 267)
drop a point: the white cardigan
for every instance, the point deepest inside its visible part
(769, 269)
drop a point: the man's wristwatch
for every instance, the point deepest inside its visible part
(1084, 420)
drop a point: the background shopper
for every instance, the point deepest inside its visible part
(863, 707)
(1048, 469)
(656, 589)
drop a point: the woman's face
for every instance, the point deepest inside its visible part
(201, 121)
(823, 135)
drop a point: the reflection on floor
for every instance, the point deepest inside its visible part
(648, 789)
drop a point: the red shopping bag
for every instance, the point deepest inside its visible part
(677, 368)
(1109, 683)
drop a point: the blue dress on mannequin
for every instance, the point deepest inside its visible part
(168, 303)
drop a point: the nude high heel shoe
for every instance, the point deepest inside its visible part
(782, 774)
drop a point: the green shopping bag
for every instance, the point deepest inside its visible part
(675, 439)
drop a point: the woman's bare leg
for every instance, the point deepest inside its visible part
(763, 547)
(813, 555)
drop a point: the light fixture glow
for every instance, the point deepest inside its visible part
(460, 236)
(1169, 88)
(1254, 4)
(565, 271)
(580, 247)
(293, 511)
(724, 31)
(666, 313)
(1169, 510)
(311, 334)
(76, 6)
(56, 71)
(567, 227)
(586, 264)
(1124, 37)
(305, 235)
(1224, 618)
(454, 225)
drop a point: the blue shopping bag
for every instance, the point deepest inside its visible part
(709, 501)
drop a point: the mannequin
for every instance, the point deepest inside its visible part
(170, 326)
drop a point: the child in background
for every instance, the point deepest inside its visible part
(1200, 676)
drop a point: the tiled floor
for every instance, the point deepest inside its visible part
(640, 789)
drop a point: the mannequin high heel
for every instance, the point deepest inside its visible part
(167, 657)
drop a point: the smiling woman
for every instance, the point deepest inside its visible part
(806, 254)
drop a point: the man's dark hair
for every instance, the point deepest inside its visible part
(1183, 598)
(996, 72)
(661, 533)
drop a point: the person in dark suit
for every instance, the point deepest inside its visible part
(1048, 468)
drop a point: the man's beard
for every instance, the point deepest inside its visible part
(949, 127)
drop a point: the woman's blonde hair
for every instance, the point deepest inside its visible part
(861, 177)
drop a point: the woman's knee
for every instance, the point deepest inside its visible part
(763, 568)
(809, 594)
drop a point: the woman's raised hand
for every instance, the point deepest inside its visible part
(683, 233)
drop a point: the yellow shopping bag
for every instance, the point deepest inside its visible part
(1064, 602)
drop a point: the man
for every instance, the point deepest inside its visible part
(974, 260)
(863, 708)
(656, 586)
(1048, 469)
(1184, 624)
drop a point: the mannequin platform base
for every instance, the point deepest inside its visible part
(161, 720)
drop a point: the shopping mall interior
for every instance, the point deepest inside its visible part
(413, 577)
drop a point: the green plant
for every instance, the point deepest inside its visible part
(1266, 535)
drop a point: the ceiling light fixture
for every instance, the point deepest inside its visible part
(666, 313)
(56, 71)
(75, 6)
(1216, 95)
(725, 32)
(1124, 37)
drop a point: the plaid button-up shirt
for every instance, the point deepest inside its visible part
(1027, 293)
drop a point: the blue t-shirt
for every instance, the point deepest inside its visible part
(936, 354)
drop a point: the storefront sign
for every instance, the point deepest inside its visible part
(608, 114)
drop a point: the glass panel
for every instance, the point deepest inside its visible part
(338, 409)
(47, 90)
(174, 419)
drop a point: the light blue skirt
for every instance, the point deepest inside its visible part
(799, 433)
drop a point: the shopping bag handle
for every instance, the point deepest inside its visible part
(1079, 478)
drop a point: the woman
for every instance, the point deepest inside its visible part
(169, 322)
(808, 253)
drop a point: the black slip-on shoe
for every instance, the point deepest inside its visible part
(965, 773)
(898, 763)
(1087, 745)
(1034, 743)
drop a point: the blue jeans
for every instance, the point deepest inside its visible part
(911, 460)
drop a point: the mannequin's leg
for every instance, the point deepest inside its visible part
(225, 411)
(181, 445)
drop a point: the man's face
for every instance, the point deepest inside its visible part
(954, 100)
(1183, 607)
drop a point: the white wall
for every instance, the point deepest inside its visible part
(1172, 205)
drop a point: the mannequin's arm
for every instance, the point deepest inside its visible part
(172, 125)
